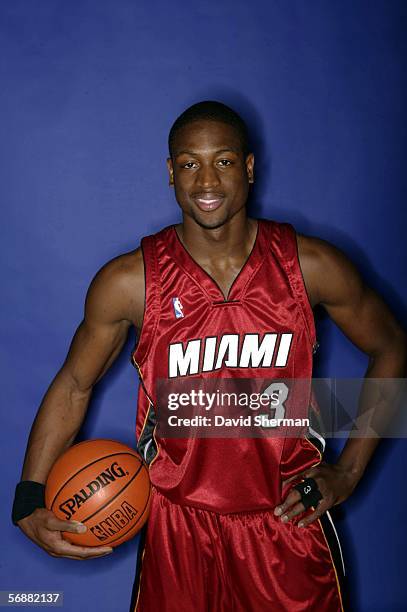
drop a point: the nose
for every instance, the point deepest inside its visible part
(207, 177)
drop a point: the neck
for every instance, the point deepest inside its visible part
(235, 238)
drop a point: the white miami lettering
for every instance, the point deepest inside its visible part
(227, 351)
(208, 355)
(254, 355)
(183, 363)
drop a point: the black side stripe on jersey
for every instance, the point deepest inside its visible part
(334, 546)
(139, 564)
(316, 440)
(147, 446)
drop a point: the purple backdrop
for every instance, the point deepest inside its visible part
(89, 90)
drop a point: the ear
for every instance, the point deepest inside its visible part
(250, 167)
(170, 171)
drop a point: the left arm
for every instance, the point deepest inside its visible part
(333, 281)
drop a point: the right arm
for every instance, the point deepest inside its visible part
(115, 301)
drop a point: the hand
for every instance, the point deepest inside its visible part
(44, 528)
(335, 484)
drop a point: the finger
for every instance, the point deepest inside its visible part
(55, 524)
(55, 543)
(299, 476)
(297, 509)
(293, 497)
(75, 557)
(312, 472)
(65, 549)
(84, 551)
(315, 471)
(319, 511)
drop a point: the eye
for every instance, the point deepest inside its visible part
(225, 162)
(189, 165)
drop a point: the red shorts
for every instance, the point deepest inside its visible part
(193, 560)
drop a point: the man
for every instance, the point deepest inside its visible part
(224, 530)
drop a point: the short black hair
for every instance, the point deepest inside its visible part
(213, 111)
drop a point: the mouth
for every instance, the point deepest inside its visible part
(208, 202)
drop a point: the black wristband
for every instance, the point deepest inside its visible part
(29, 496)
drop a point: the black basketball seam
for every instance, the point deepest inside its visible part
(89, 464)
(114, 496)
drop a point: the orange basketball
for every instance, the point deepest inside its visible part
(103, 484)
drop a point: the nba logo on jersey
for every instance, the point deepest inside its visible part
(178, 308)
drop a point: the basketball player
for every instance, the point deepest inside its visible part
(235, 524)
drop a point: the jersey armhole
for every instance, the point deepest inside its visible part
(288, 241)
(152, 288)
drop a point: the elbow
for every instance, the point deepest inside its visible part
(391, 355)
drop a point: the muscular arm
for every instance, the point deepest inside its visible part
(366, 320)
(115, 300)
(333, 282)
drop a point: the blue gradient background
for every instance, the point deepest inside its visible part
(89, 90)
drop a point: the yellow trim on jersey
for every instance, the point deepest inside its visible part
(333, 565)
(139, 584)
(316, 448)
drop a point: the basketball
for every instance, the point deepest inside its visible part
(103, 484)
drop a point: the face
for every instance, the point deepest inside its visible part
(210, 173)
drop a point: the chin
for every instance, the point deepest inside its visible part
(209, 221)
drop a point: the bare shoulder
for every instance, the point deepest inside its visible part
(335, 283)
(116, 293)
(327, 271)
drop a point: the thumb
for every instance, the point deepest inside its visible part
(56, 524)
(298, 476)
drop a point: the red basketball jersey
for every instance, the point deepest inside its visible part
(190, 330)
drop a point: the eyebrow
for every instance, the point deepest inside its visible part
(189, 152)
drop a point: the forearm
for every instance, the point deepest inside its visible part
(377, 406)
(55, 427)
